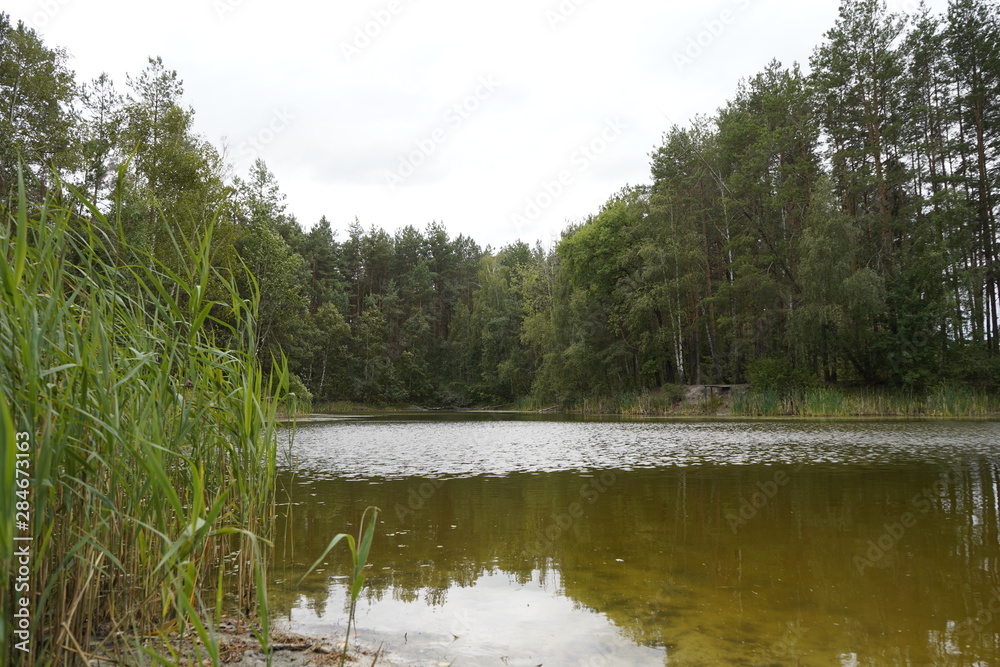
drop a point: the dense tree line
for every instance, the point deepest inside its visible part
(831, 226)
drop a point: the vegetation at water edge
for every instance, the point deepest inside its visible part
(151, 436)
(840, 220)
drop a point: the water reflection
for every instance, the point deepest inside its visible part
(707, 543)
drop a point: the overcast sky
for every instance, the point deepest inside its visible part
(503, 120)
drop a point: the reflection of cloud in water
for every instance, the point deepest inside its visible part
(494, 618)
(652, 562)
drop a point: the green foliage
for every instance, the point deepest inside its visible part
(774, 373)
(841, 221)
(37, 91)
(299, 397)
(941, 401)
(152, 447)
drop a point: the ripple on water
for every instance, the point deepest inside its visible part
(398, 448)
(494, 565)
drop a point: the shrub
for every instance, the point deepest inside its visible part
(775, 373)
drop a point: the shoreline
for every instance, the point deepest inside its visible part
(320, 416)
(238, 646)
(739, 402)
(325, 417)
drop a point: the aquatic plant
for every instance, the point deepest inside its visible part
(943, 401)
(151, 438)
(359, 557)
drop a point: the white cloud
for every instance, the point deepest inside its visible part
(354, 114)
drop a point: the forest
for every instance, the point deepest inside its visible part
(832, 224)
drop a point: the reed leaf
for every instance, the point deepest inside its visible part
(140, 484)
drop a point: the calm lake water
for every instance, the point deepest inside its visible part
(519, 540)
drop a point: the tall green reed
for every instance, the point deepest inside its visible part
(153, 437)
(946, 400)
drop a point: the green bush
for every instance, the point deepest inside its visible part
(299, 397)
(775, 373)
(672, 394)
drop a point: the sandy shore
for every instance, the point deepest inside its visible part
(239, 647)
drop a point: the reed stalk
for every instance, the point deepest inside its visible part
(152, 440)
(946, 400)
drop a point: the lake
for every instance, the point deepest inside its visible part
(511, 539)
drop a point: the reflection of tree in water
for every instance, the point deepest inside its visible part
(655, 553)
